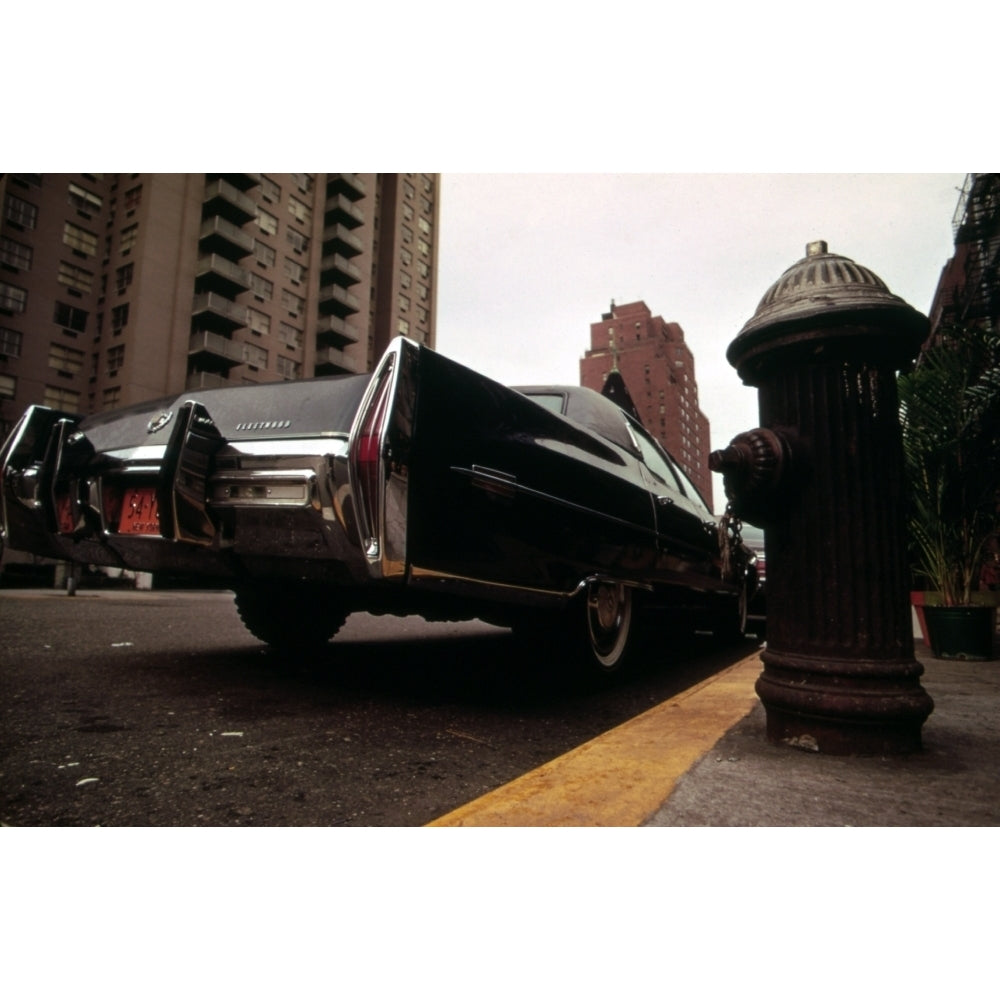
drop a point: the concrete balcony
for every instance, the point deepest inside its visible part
(219, 235)
(243, 182)
(330, 361)
(332, 331)
(349, 185)
(340, 209)
(205, 380)
(215, 350)
(334, 299)
(222, 199)
(216, 312)
(214, 273)
(338, 270)
(339, 239)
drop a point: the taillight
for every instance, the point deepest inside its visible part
(367, 467)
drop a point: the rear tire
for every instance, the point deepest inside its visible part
(591, 640)
(608, 635)
(290, 617)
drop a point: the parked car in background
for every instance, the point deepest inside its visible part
(422, 488)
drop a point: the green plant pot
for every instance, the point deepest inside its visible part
(961, 633)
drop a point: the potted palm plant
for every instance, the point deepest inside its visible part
(950, 413)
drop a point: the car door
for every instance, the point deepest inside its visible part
(685, 528)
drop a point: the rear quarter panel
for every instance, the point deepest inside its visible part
(505, 491)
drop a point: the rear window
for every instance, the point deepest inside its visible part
(551, 401)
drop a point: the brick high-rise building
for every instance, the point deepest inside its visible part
(657, 368)
(117, 288)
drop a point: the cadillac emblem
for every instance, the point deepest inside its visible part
(158, 423)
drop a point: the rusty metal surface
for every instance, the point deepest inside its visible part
(823, 476)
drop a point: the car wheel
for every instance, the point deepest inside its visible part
(608, 625)
(289, 617)
(589, 640)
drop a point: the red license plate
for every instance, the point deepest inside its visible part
(140, 514)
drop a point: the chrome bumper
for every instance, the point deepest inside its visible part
(217, 508)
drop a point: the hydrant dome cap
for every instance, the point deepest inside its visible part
(821, 282)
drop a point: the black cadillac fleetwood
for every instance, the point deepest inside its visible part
(422, 488)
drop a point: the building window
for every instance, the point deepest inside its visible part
(133, 198)
(70, 318)
(404, 279)
(264, 254)
(298, 241)
(261, 287)
(269, 190)
(8, 387)
(14, 254)
(58, 398)
(129, 236)
(303, 182)
(258, 322)
(407, 234)
(111, 398)
(286, 367)
(408, 212)
(80, 239)
(12, 298)
(299, 211)
(65, 360)
(289, 335)
(424, 247)
(116, 358)
(84, 201)
(119, 317)
(405, 256)
(422, 269)
(404, 303)
(408, 189)
(266, 222)
(404, 327)
(424, 226)
(10, 342)
(255, 357)
(123, 277)
(295, 271)
(74, 277)
(20, 212)
(292, 302)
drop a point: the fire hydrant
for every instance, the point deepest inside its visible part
(823, 476)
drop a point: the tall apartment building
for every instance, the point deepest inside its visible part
(117, 288)
(657, 368)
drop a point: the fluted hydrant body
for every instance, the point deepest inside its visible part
(823, 475)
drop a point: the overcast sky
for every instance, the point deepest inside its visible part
(528, 260)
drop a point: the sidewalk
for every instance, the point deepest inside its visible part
(953, 781)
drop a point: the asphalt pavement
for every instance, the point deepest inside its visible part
(702, 759)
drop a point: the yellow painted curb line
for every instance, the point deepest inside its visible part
(623, 776)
